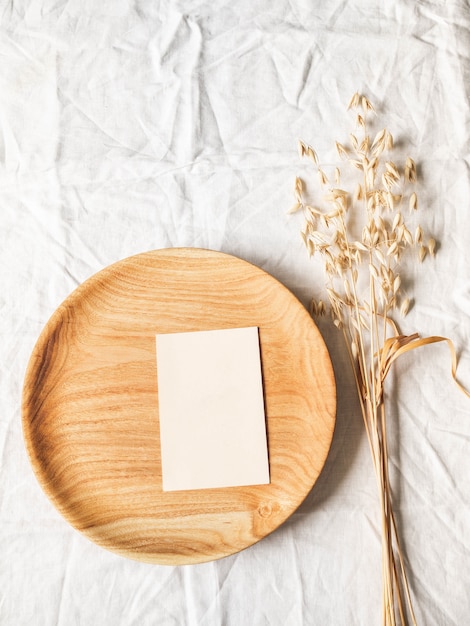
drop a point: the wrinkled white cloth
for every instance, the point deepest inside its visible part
(129, 126)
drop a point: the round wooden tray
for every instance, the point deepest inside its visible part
(90, 405)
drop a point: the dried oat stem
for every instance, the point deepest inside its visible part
(362, 262)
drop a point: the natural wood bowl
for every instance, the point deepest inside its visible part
(90, 405)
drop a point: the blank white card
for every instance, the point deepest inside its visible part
(211, 407)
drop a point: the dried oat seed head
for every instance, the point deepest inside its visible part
(413, 203)
(405, 307)
(410, 170)
(398, 221)
(367, 105)
(341, 150)
(354, 102)
(312, 154)
(396, 284)
(418, 235)
(379, 138)
(322, 177)
(297, 206)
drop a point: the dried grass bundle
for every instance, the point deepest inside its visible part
(361, 238)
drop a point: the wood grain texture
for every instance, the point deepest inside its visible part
(90, 405)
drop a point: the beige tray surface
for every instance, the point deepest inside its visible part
(90, 405)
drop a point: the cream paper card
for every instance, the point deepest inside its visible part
(211, 406)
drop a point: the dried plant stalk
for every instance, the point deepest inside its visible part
(362, 258)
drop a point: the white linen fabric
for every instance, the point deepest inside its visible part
(133, 125)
